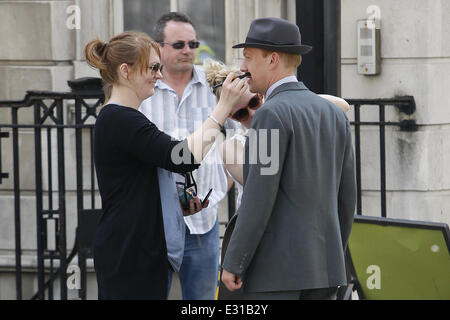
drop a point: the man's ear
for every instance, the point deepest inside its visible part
(274, 59)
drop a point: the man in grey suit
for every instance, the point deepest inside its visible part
(293, 224)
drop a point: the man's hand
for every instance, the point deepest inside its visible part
(195, 206)
(231, 281)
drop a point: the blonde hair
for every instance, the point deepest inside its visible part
(130, 47)
(216, 73)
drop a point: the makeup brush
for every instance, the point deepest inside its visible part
(247, 74)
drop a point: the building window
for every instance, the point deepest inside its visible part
(208, 17)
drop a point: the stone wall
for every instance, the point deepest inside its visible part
(41, 48)
(415, 54)
(239, 15)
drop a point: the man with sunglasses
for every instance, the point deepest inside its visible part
(183, 100)
(293, 225)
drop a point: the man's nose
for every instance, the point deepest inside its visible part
(186, 48)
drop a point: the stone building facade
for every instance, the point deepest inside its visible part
(41, 45)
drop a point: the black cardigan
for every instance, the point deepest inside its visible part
(130, 254)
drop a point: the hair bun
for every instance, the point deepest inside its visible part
(94, 52)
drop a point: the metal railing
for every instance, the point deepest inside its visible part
(51, 126)
(405, 105)
(49, 120)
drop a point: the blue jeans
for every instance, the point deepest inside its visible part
(200, 267)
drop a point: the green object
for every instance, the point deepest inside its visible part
(185, 197)
(202, 52)
(400, 259)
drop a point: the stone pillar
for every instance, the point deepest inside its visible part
(43, 41)
(415, 55)
(42, 48)
(239, 15)
(39, 47)
(102, 19)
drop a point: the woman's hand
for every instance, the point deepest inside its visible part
(201, 140)
(195, 206)
(232, 90)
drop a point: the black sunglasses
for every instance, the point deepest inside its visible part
(156, 67)
(180, 44)
(243, 114)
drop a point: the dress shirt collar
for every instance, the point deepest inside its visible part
(279, 83)
(197, 77)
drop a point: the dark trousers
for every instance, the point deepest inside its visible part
(309, 294)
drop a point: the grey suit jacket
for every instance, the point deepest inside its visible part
(293, 223)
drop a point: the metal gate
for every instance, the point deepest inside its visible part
(405, 105)
(53, 119)
(56, 118)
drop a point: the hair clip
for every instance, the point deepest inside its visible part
(104, 47)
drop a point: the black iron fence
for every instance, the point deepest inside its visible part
(56, 117)
(404, 105)
(50, 127)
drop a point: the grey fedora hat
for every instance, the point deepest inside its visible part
(274, 34)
